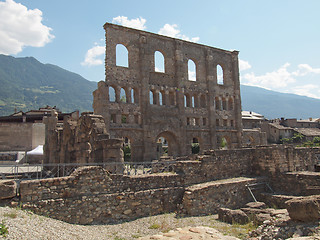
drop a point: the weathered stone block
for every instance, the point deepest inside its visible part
(8, 189)
(305, 209)
(232, 216)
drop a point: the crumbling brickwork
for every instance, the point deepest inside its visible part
(142, 104)
(80, 140)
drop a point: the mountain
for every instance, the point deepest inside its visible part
(273, 104)
(28, 84)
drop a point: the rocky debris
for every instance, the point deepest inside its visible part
(259, 205)
(275, 229)
(188, 233)
(232, 216)
(305, 209)
(8, 189)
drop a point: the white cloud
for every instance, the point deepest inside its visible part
(272, 80)
(304, 69)
(307, 90)
(20, 27)
(92, 56)
(138, 23)
(173, 31)
(244, 65)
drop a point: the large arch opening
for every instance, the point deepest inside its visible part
(167, 145)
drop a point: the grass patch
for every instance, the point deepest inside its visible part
(3, 229)
(237, 230)
(12, 214)
(118, 238)
(135, 236)
(154, 226)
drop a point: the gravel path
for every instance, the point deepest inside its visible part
(26, 225)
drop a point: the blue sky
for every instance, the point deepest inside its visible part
(278, 40)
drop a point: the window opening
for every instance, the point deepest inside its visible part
(192, 76)
(160, 99)
(124, 118)
(127, 150)
(112, 94)
(195, 146)
(220, 75)
(162, 147)
(123, 97)
(132, 95)
(159, 62)
(113, 118)
(121, 56)
(151, 97)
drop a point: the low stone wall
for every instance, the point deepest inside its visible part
(277, 159)
(106, 208)
(87, 181)
(207, 198)
(92, 195)
(303, 183)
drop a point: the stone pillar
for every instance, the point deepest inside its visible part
(211, 83)
(237, 99)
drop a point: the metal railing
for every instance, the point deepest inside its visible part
(40, 171)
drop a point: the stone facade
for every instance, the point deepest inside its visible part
(142, 104)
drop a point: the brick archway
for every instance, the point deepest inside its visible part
(171, 141)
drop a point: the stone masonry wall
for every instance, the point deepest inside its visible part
(207, 198)
(92, 195)
(298, 183)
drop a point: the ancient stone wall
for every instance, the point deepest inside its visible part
(303, 183)
(143, 104)
(198, 183)
(207, 198)
(277, 159)
(83, 140)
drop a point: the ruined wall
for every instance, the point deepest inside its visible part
(102, 197)
(276, 159)
(298, 183)
(207, 198)
(80, 140)
(142, 104)
(198, 184)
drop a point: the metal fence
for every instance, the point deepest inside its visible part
(40, 171)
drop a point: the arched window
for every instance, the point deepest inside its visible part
(151, 97)
(203, 100)
(220, 76)
(230, 103)
(224, 104)
(160, 98)
(122, 56)
(192, 71)
(217, 102)
(159, 65)
(123, 97)
(112, 94)
(132, 95)
(187, 100)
